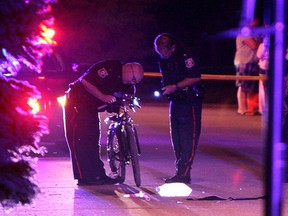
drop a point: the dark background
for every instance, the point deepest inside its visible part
(94, 30)
(88, 31)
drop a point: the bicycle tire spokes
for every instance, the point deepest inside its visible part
(115, 157)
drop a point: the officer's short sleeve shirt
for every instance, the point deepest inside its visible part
(106, 76)
(178, 67)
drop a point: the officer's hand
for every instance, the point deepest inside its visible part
(169, 89)
(108, 99)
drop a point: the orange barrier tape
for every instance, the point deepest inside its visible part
(216, 77)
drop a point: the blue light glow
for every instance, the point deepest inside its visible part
(156, 94)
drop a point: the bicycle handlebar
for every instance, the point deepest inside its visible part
(121, 100)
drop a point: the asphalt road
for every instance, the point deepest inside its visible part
(227, 175)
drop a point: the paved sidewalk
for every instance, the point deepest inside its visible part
(227, 174)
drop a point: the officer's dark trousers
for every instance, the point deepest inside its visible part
(185, 128)
(82, 135)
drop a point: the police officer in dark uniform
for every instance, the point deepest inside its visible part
(181, 84)
(82, 125)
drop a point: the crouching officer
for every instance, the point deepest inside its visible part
(82, 124)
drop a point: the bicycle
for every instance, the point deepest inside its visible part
(122, 142)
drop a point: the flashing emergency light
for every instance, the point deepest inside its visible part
(34, 104)
(62, 100)
(47, 34)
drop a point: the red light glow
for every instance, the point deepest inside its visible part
(62, 100)
(34, 104)
(48, 34)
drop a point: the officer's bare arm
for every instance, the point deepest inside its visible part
(180, 85)
(97, 93)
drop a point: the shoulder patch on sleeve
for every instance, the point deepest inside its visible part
(189, 62)
(102, 72)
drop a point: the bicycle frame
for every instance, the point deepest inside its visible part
(122, 144)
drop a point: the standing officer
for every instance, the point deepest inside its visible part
(82, 124)
(181, 84)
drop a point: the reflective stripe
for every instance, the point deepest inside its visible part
(193, 143)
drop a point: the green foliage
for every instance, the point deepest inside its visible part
(20, 131)
(20, 32)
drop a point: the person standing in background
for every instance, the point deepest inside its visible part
(263, 55)
(246, 64)
(285, 111)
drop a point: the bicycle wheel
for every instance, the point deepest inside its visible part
(134, 154)
(116, 158)
(137, 140)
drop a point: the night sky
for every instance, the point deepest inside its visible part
(89, 31)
